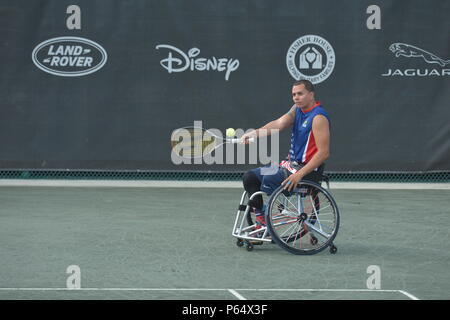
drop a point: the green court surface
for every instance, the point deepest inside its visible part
(176, 243)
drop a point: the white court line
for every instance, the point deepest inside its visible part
(232, 291)
(206, 184)
(412, 297)
(111, 289)
(236, 294)
(409, 295)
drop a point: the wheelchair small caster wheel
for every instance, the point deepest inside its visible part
(239, 242)
(248, 246)
(333, 249)
(314, 240)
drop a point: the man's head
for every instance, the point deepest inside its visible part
(303, 94)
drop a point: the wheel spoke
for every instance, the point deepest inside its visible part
(312, 203)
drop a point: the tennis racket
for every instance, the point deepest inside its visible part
(195, 142)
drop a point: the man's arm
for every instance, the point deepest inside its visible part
(321, 132)
(283, 122)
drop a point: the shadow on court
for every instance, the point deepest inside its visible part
(175, 243)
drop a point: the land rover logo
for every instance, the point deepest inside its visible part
(69, 56)
(310, 57)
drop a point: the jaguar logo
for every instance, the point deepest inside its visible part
(406, 50)
(409, 51)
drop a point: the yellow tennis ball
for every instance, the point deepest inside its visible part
(230, 132)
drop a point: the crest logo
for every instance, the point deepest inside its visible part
(310, 57)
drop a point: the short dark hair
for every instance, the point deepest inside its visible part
(308, 84)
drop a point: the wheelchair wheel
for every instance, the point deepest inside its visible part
(304, 221)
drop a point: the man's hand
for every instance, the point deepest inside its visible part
(279, 124)
(245, 139)
(291, 182)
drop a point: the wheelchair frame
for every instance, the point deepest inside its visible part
(242, 232)
(246, 233)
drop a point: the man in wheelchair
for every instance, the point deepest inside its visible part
(309, 148)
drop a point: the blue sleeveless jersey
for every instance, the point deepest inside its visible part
(303, 145)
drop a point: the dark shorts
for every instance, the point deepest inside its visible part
(271, 178)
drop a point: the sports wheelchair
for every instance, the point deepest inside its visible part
(304, 221)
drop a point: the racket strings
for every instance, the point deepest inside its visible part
(199, 144)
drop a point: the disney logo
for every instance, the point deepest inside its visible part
(178, 61)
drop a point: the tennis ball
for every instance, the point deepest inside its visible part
(230, 132)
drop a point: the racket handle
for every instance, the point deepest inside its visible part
(239, 140)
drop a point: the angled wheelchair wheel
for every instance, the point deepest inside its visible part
(304, 221)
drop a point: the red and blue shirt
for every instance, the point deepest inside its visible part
(303, 145)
